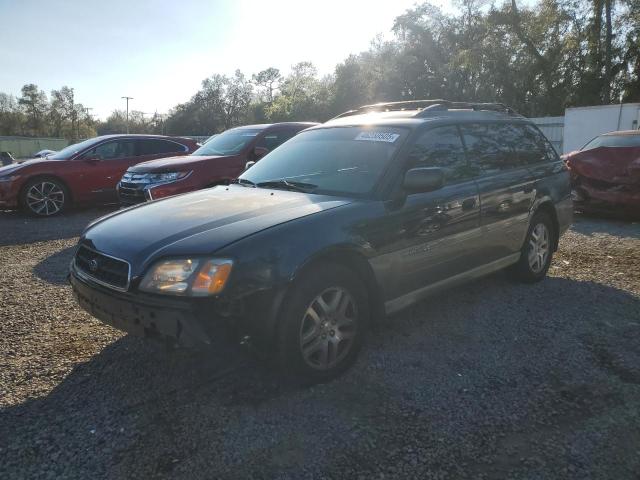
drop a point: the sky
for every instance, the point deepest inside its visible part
(159, 51)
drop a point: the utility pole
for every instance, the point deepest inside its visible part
(128, 98)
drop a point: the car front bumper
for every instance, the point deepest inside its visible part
(171, 321)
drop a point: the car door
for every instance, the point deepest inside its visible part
(506, 184)
(431, 236)
(103, 167)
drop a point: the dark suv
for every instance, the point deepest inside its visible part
(346, 222)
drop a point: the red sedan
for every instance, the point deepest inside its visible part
(220, 160)
(83, 173)
(606, 172)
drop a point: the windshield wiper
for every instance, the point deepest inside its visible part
(244, 182)
(288, 185)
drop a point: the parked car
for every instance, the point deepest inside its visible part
(83, 173)
(347, 221)
(44, 153)
(605, 173)
(221, 159)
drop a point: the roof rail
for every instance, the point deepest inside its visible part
(427, 107)
(391, 107)
(446, 105)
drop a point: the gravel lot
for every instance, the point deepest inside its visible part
(491, 380)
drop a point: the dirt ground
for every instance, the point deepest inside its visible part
(491, 380)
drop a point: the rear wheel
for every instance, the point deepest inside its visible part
(537, 251)
(324, 324)
(44, 197)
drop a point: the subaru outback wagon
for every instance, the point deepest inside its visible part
(348, 221)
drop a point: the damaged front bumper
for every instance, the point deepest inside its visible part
(171, 321)
(588, 192)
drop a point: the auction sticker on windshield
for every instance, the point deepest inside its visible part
(386, 137)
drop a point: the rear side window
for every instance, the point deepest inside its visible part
(498, 147)
(442, 147)
(155, 147)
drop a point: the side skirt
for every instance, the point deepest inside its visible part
(397, 304)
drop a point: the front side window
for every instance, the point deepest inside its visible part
(113, 150)
(230, 142)
(442, 147)
(336, 160)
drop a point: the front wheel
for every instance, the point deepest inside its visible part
(537, 251)
(44, 197)
(324, 324)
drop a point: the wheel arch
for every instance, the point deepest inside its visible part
(343, 256)
(546, 206)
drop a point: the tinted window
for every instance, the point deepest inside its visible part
(496, 147)
(230, 142)
(272, 140)
(155, 147)
(613, 141)
(112, 150)
(71, 150)
(441, 147)
(338, 160)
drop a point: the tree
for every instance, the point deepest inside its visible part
(34, 102)
(268, 80)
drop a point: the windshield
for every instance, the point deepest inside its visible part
(68, 152)
(613, 141)
(230, 142)
(339, 160)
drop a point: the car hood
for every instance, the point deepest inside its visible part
(615, 165)
(198, 223)
(17, 166)
(173, 164)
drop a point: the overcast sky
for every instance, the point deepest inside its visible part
(159, 51)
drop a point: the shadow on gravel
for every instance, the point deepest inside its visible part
(17, 228)
(590, 224)
(464, 385)
(54, 268)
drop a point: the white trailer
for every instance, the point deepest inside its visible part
(581, 124)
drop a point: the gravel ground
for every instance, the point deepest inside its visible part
(490, 380)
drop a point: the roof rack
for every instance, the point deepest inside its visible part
(427, 107)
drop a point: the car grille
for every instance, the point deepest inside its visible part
(106, 270)
(131, 188)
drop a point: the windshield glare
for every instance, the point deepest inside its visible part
(338, 160)
(68, 152)
(230, 142)
(613, 141)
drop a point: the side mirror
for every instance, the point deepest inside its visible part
(248, 165)
(259, 152)
(419, 180)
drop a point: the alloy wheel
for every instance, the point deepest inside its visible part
(45, 198)
(328, 329)
(538, 248)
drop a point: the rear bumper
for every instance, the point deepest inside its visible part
(167, 320)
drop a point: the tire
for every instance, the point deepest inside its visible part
(317, 341)
(44, 197)
(537, 251)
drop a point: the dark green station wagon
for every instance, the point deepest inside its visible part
(343, 224)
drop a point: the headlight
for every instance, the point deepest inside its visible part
(165, 177)
(190, 276)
